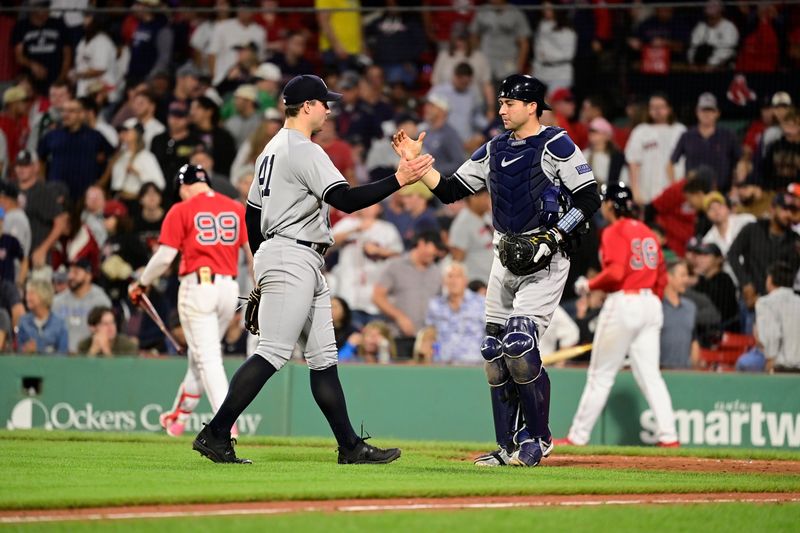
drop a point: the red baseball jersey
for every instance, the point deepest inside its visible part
(631, 259)
(208, 229)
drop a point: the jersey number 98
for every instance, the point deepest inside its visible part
(222, 228)
(644, 254)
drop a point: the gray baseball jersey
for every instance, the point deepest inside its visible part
(293, 175)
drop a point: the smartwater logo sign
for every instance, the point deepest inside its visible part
(33, 413)
(734, 423)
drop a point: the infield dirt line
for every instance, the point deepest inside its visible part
(373, 505)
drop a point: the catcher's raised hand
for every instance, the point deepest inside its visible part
(405, 146)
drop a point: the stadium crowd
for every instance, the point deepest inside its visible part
(694, 108)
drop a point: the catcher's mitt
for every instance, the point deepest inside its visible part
(527, 254)
(251, 310)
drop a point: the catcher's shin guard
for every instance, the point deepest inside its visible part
(505, 404)
(521, 353)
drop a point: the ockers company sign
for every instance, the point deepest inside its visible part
(733, 423)
(32, 413)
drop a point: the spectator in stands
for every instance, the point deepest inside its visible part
(760, 50)
(267, 79)
(726, 225)
(776, 320)
(442, 140)
(417, 214)
(16, 222)
(219, 182)
(396, 40)
(43, 122)
(761, 244)
(204, 114)
(74, 155)
(173, 148)
(149, 217)
(408, 282)
(714, 40)
(104, 340)
(123, 252)
(466, 116)
(471, 236)
(343, 329)
(42, 46)
(375, 345)
(717, 285)
(782, 161)
(503, 32)
(14, 122)
(230, 33)
(461, 50)
(341, 37)
(458, 316)
(134, 164)
(659, 38)
(607, 162)
(251, 148)
(144, 109)
(563, 102)
(247, 118)
(371, 94)
(355, 122)
(292, 60)
(13, 262)
(649, 148)
(679, 346)
(151, 44)
(44, 207)
(40, 330)
(95, 55)
(97, 122)
(554, 47)
(73, 306)
(187, 85)
(756, 128)
(241, 73)
(707, 144)
(365, 243)
(562, 332)
(339, 151)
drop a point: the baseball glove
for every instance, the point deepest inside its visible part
(251, 310)
(527, 254)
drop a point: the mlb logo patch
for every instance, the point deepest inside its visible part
(584, 168)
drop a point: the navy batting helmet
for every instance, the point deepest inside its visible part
(620, 196)
(525, 88)
(189, 174)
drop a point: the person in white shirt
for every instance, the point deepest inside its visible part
(649, 149)
(726, 226)
(461, 50)
(471, 236)
(365, 243)
(714, 39)
(134, 165)
(95, 56)
(144, 107)
(562, 333)
(227, 34)
(554, 48)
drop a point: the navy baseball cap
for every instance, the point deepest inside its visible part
(307, 87)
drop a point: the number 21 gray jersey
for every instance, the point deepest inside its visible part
(292, 176)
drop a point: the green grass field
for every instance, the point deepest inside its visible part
(66, 470)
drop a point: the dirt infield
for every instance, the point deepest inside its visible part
(372, 505)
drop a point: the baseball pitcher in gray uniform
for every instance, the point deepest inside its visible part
(289, 233)
(542, 192)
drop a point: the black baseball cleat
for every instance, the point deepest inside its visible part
(365, 454)
(219, 450)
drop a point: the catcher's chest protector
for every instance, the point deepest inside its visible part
(518, 184)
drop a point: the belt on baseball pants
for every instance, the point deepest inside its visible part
(205, 275)
(317, 247)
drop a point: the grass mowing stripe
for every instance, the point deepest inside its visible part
(710, 518)
(84, 473)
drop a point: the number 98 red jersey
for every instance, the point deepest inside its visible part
(208, 229)
(631, 259)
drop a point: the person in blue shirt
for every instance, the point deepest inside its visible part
(39, 330)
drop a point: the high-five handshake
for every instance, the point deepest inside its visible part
(409, 150)
(413, 166)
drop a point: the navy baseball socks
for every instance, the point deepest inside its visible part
(327, 391)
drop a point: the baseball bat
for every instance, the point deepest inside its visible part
(148, 308)
(566, 353)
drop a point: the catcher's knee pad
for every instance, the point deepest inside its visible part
(492, 350)
(521, 350)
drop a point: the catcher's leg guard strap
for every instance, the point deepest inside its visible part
(521, 350)
(492, 350)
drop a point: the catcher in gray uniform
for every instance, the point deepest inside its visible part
(543, 192)
(289, 232)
